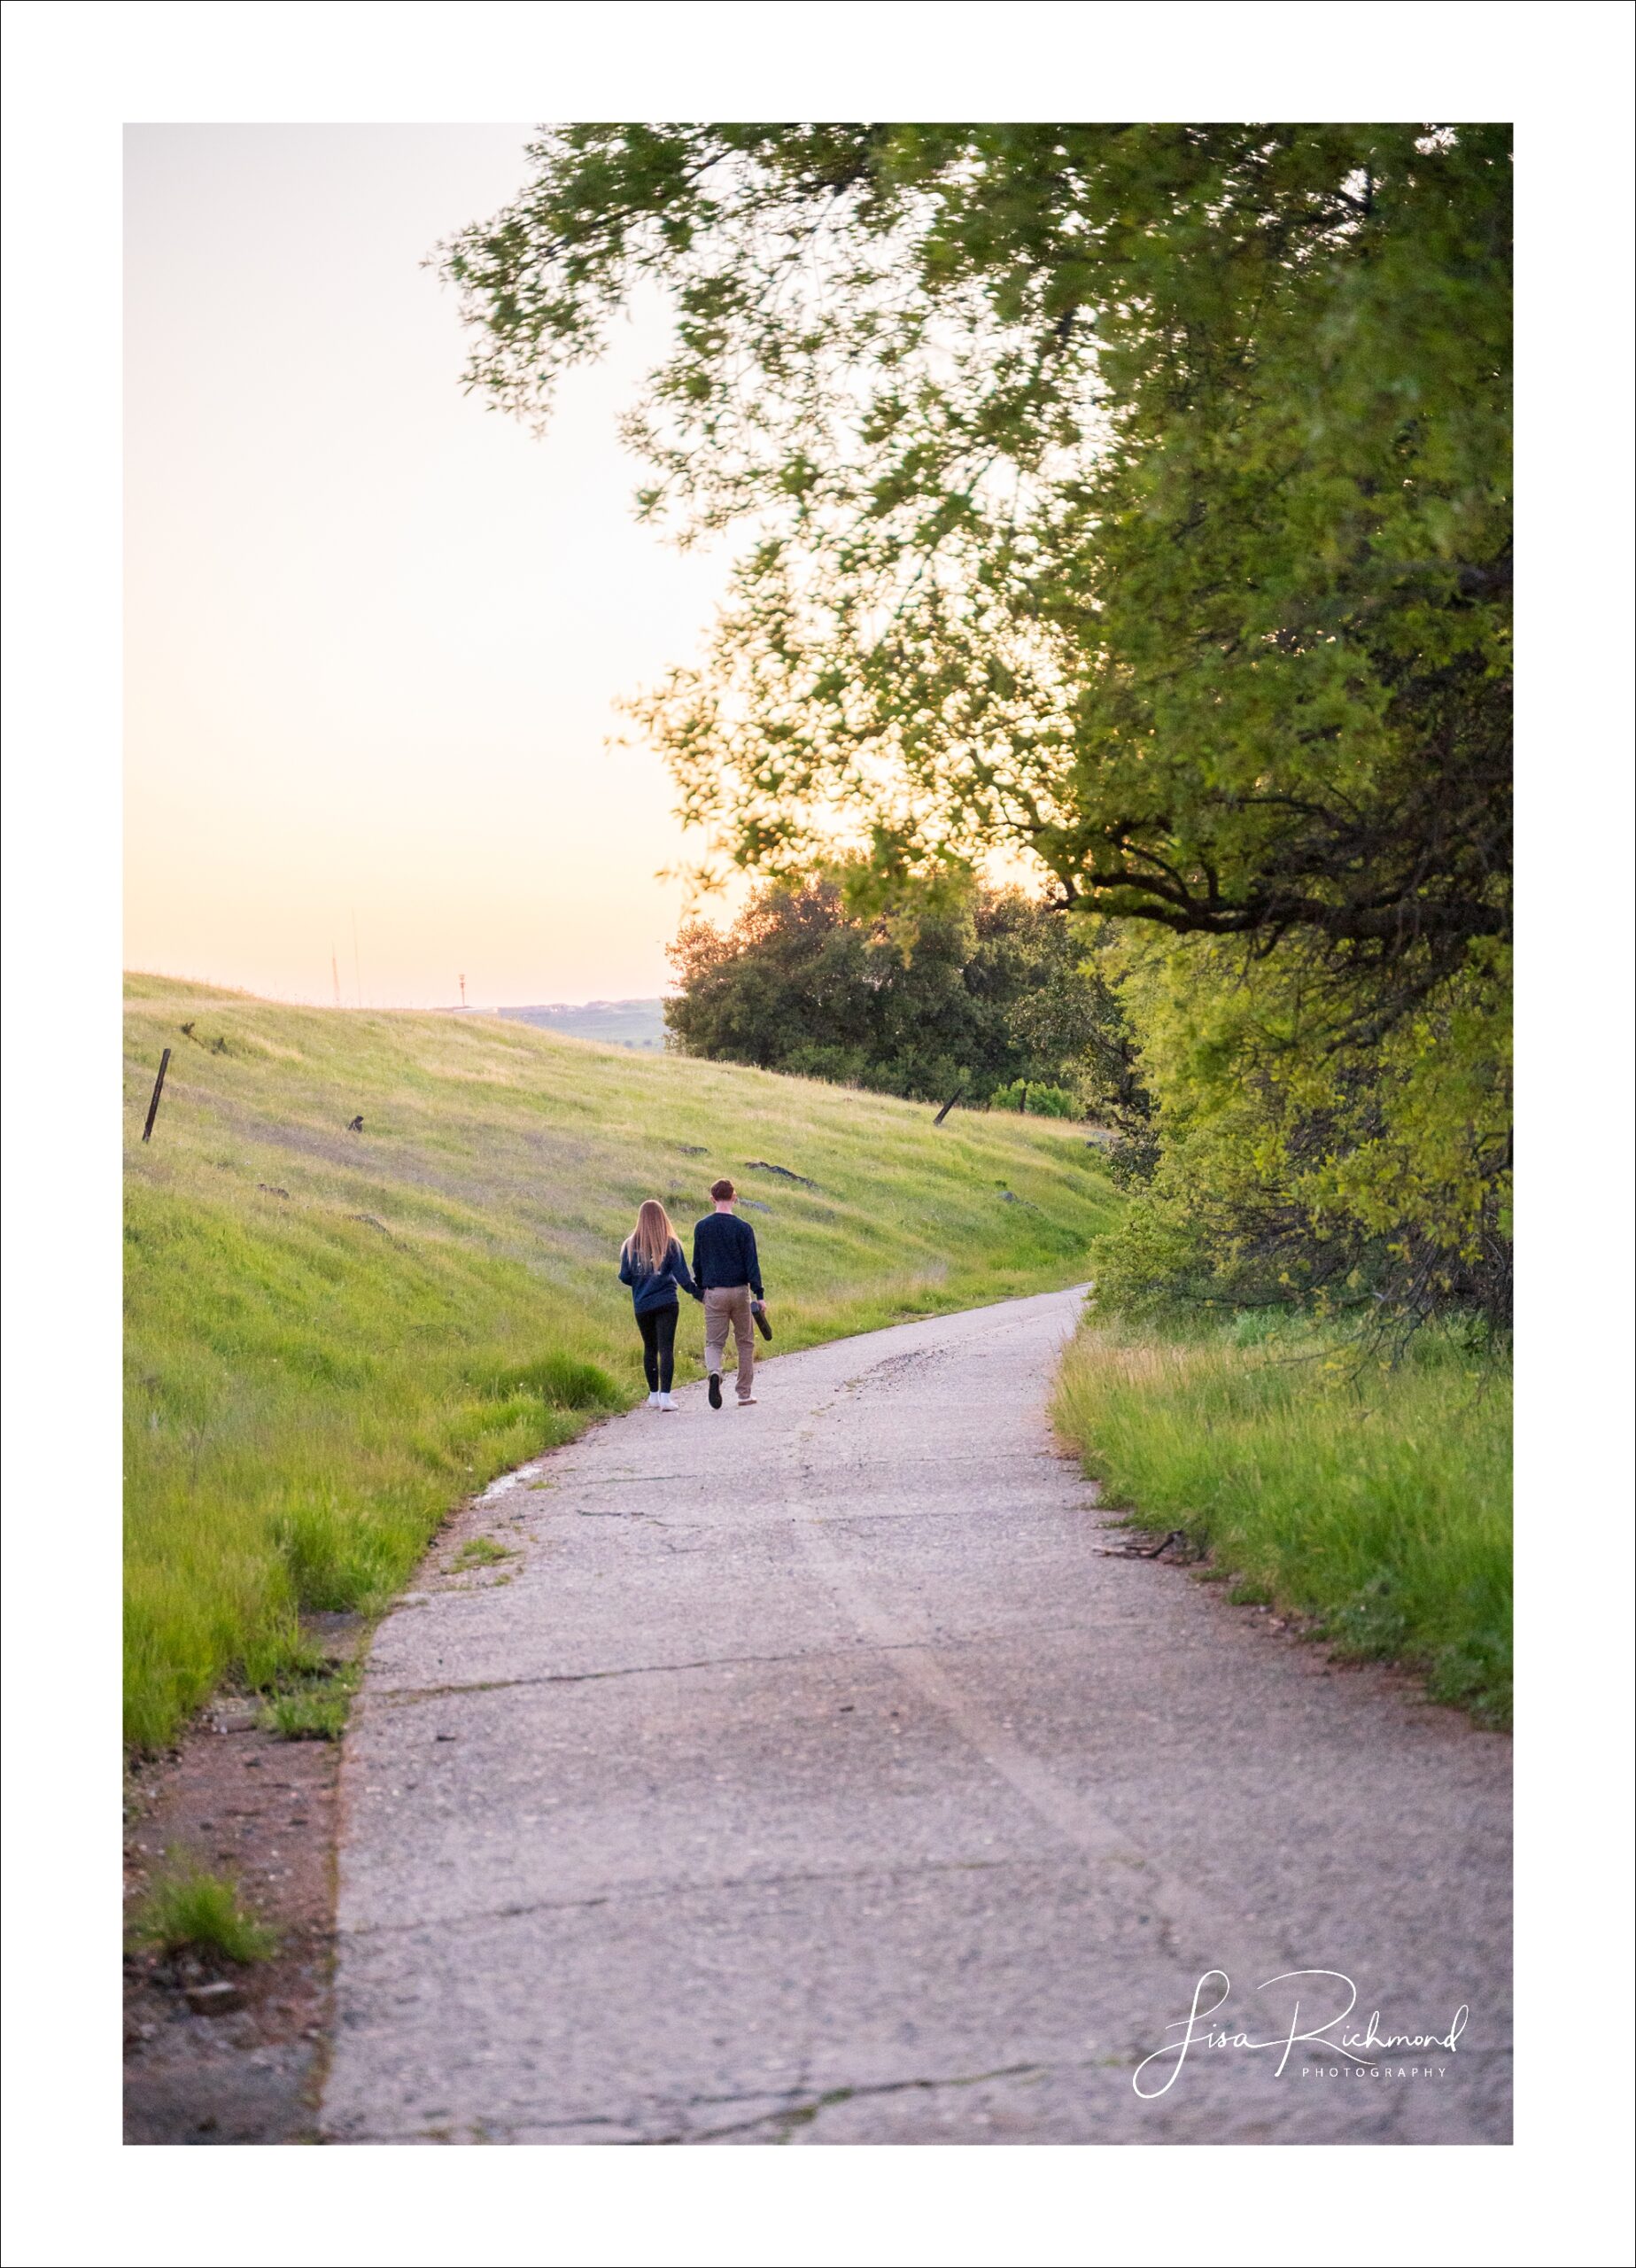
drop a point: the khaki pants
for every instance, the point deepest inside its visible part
(724, 1306)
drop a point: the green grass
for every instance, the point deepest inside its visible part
(1374, 1502)
(310, 1708)
(333, 1338)
(187, 1910)
(482, 1551)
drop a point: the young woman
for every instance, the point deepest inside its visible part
(651, 1262)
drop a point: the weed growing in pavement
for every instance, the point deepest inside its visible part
(188, 1910)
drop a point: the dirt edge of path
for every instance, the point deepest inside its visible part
(247, 2065)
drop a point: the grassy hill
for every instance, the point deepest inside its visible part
(334, 1336)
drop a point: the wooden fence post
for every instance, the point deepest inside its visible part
(158, 1089)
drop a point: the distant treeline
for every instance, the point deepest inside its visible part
(977, 996)
(616, 1023)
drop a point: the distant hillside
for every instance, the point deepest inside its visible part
(371, 1261)
(617, 1023)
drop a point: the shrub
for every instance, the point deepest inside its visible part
(1033, 1097)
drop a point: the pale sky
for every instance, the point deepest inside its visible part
(374, 630)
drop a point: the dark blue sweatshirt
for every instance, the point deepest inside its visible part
(655, 1287)
(724, 1254)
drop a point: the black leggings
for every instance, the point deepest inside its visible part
(658, 1330)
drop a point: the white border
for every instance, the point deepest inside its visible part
(75, 73)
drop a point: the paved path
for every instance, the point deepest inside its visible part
(816, 1780)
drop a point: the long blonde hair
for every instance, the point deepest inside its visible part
(653, 1236)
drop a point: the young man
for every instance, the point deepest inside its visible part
(725, 1267)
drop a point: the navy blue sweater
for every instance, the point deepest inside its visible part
(724, 1254)
(655, 1287)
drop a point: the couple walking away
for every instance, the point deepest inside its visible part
(726, 1277)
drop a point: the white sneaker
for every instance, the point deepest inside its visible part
(667, 1401)
(655, 1401)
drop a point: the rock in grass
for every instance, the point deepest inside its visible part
(761, 1165)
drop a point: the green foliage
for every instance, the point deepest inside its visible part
(1373, 1501)
(933, 995)
(482, 1551)
(1033, 1095)
(316, 1709)
(557, 1378)
(1135, 496)
(1293, 1165)
(306, 1397)
(339, 1555)
(187, 1910)
(1135, 499)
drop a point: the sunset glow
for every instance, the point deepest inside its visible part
(375, 631)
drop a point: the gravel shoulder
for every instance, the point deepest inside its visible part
(808, 1774)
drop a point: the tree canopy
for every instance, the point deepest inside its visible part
(1134, 496)
(971, 994)
(1134, 500)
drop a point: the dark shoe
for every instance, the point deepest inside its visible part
(715, 1389)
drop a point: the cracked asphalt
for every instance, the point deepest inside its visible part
(815, 1779)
